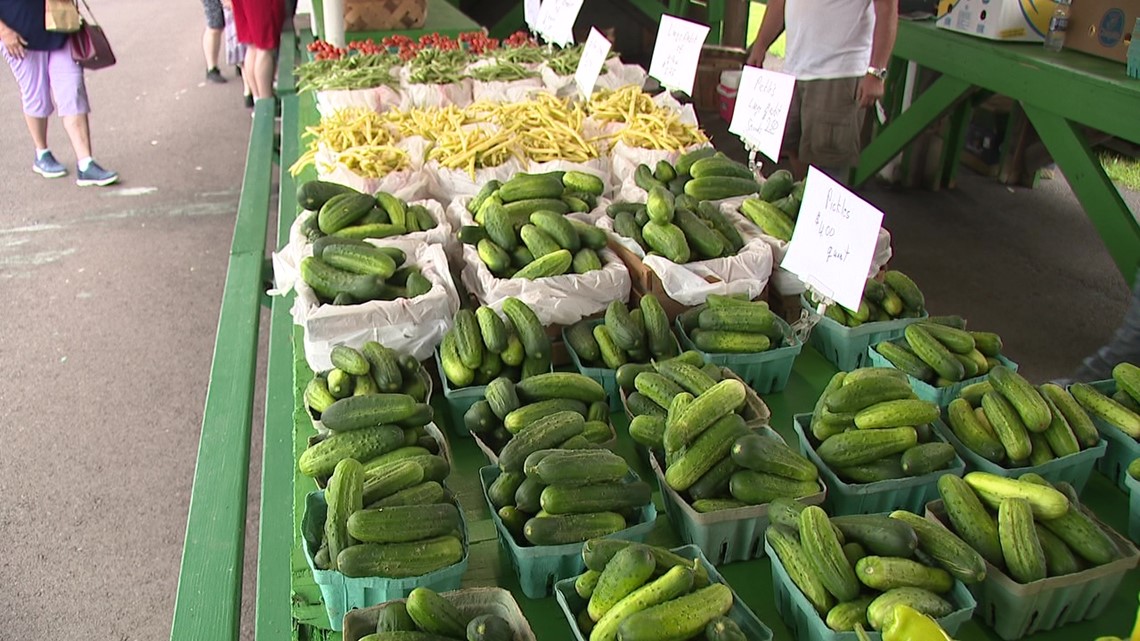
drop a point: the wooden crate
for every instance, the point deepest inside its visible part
(383, 15)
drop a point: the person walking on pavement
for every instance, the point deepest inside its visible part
(838, 51)
(258, 24)
(212, 39)
(49, 80)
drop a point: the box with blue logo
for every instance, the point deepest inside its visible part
(1008, 20)
(1102, 27)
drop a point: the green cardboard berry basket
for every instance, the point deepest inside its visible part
(1073, 469)
(471, 602)
(910, 493)
(765, 372)
(846, 347)
(724, 536)
(341, 594)
(1122, 448)
(605, 377)
(539, 567)
(807, 624)
(927, 392)
(1016, 610)
(751, 625)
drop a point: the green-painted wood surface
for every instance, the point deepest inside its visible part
(286, 61)
(208, 604)
(442, 18)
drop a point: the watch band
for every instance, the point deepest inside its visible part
(878, 72)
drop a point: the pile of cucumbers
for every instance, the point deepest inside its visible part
(869, 426)
(654, 394)
(729, 325)
(895, 296)
(426, 615)
(373, 369)
(680, 228)
(1026, 527)
(1122, 409)
(560, 496)
(941, 354)
(481, 346)
(625, 336)
(777, 208)
(347, 271)
(521, 230)
(344, 212)
(854, 570)
(702, 174)
(1007, 421)
(647, 593)
(508, 408)
(389, 514)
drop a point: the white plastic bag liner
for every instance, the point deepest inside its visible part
(408, 184)
(561, 86)
(378, 99)
(619, 75)
(287, 261)
(446, 185)
(408, 325)
(561, 300)
(785, 282)
(745, 273)
(423, 96)
(505, 90)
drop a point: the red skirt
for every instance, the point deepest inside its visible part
(259, 22)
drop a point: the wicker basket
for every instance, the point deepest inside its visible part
(382, 15)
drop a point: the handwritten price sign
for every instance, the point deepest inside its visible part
(556, 20)
(531, 9)
(834, 240)
(676, 53)
(762, 109)
(590, 64)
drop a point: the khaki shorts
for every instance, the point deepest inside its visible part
(825, 123)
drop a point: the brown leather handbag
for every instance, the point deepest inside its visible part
(89, 46)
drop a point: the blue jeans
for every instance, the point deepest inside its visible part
(1124, 346)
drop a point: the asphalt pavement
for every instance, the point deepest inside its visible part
(112, 297)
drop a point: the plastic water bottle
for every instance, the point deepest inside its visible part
(1058, 25)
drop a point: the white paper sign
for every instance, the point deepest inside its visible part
(590, 64)
(762, 109)
(556, 20)
(676, 53)
(834, 240)
(531, 10)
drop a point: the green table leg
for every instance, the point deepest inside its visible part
(1095, 191)
(935, 101)
(955, 141)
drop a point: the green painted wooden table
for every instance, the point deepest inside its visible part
(1061, 93)
(442, 18)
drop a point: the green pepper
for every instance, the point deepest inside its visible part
(908, 624)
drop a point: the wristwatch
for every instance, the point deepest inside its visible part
(878, 72)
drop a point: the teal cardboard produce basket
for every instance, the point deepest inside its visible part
(752, 627)
(1016, 610)
(846, 347)
(927, 392)
(471, 602)
(1073, 469)
(765, 372)
(724, 536)
(1122, 448)
(910, 493)
(807, 625)
(341, 593)
(540, 567)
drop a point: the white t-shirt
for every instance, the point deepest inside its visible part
(828, 38)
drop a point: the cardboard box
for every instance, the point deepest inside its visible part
(1009, 20)
(1102, 27)
(382, 15)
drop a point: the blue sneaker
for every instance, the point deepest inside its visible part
(96, 175)
(49, 167)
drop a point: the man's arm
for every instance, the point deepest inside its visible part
(770, 29)
(12, 41)
(882, 42)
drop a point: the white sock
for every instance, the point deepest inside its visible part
(40, 153)
(85, 163)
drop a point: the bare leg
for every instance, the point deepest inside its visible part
(38, 128)
(248, 72)
(211, 45)
(264, 67)
(80, 135)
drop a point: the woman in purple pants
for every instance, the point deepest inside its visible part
(49, 81)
